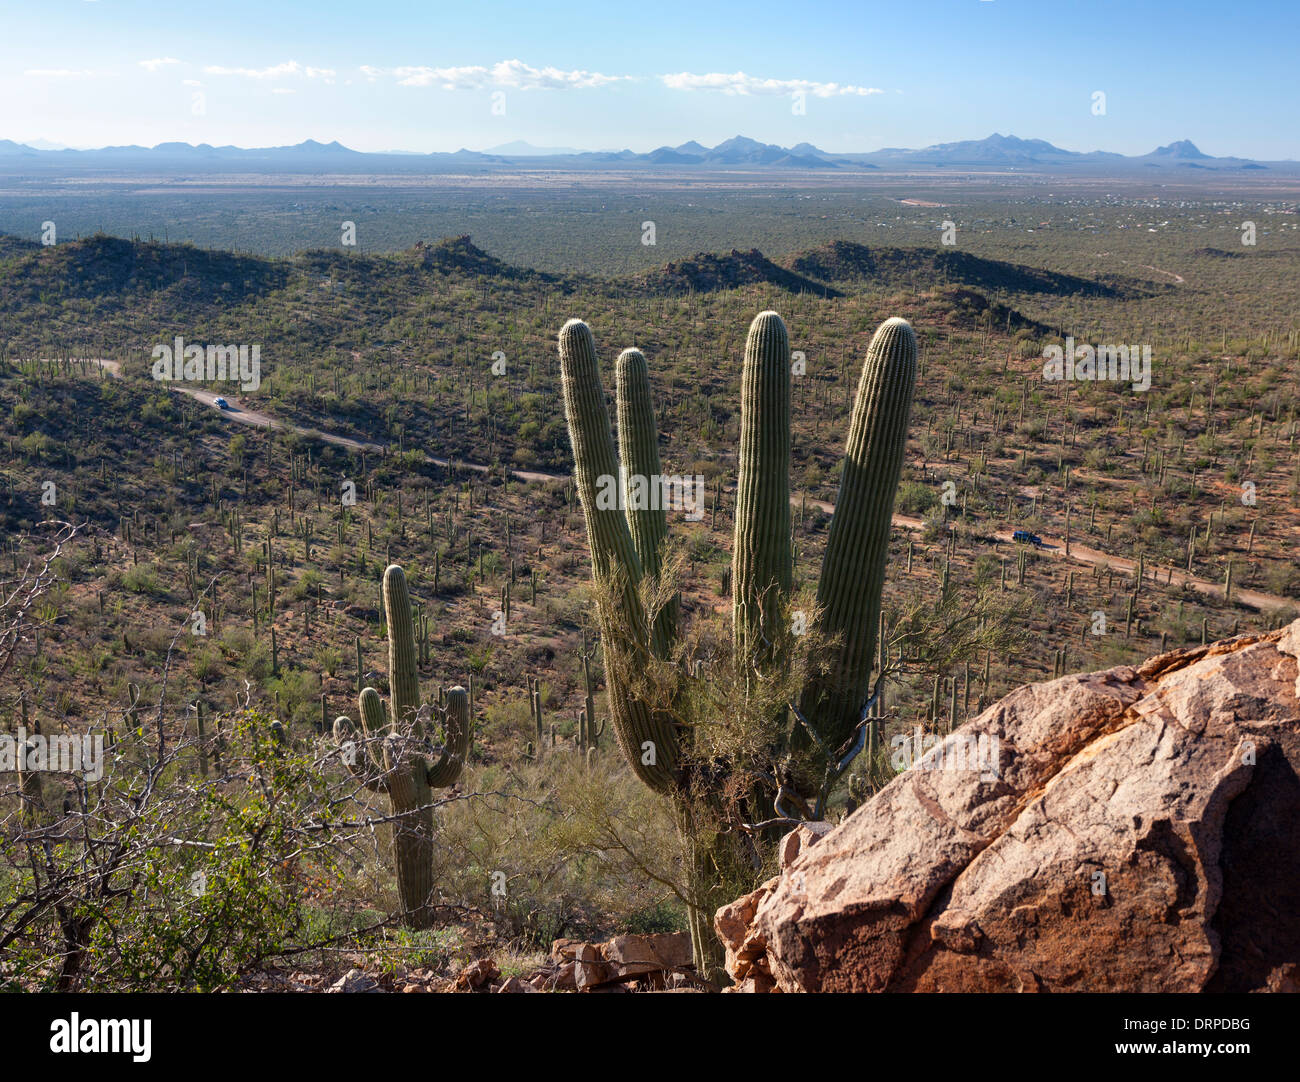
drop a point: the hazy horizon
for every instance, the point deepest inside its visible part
(51, 146)
(145, 73)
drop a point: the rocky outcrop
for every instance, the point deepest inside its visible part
(621, 964)
(1136, 829)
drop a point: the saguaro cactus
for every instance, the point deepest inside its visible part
(853, 567)
(590, 728)
(394, 755)
(625, 539)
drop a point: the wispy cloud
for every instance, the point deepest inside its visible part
(154, 65)
(514, 74)
(61, 73)
(289, 69)
(740, 83)
(517, 75)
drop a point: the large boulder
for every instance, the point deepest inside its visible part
(1127, 830)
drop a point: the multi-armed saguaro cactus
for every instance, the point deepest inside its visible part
(395, 757)
(625, 539)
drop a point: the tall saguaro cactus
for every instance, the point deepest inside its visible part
(393, 755)
(625, 540)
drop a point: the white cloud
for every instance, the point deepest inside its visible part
(60, 73)
(740, 83)
(290, 68)
(517, 75)
(283, 90)
(154, 65)
(514, 74)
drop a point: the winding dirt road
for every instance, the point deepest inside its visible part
(1052, 547)
(240, 414)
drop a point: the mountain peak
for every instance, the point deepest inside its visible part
(1182, 148)
(314, 147)
(739, 142)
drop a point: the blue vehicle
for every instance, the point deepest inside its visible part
(1026, 537)
(221, 404)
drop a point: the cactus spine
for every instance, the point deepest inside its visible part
(393, 755)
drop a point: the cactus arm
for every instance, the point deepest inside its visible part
(641, 480)
(594, 463)
(615, 566)
(403, 676)
(857, 547)
(362, 764)
(761, 555)
(374, 719)
(455, 751)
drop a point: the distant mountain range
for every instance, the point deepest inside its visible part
(996, 152)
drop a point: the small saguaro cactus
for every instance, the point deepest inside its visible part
(395, 754)
(590, 729)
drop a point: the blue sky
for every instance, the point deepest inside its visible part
(382, 75)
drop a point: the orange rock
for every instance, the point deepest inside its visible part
(1136, 832)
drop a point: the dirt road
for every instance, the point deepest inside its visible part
(1052, 547)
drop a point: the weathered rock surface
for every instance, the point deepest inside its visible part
(477, 975)
(354, 980)
(1140, 831)
(650, 961)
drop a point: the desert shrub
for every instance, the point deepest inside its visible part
(915, 498)
(142, 579)
(164, 882)
(299, 694)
